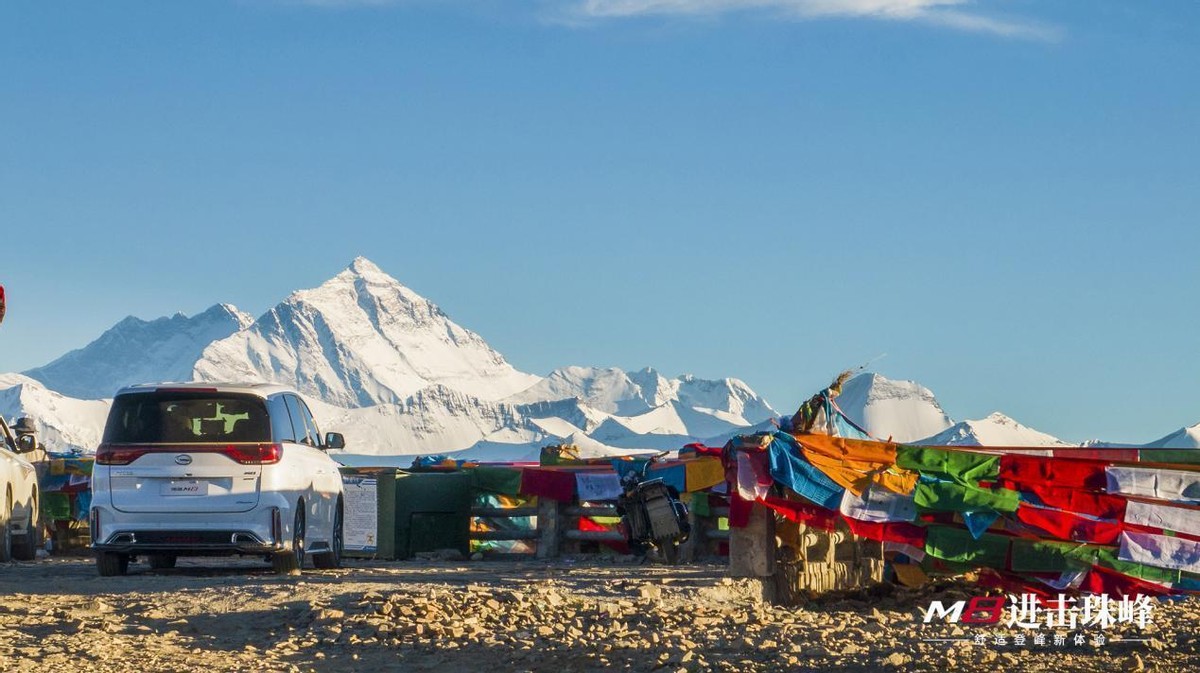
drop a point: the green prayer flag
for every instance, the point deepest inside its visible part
(56, 506)
(962, 466)
(700, 504)
(946, 496)
(1107, 557)
(1039, 556)
(957, 545)
(1187, 456)
(503, 480)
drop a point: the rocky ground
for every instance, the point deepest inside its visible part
(57, 615)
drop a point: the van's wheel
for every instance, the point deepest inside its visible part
(333, 557)
(161, 561)
(26, 549)
(111, 564)
(290, 561)
(6, 541)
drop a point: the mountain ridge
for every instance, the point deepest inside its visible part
(396, 375)
(137, 351)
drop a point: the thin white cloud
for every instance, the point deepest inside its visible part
(954, 14)
(963, 15)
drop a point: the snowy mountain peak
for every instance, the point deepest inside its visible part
(995, 430)
(359, 339)
(137, 351)
(903, 410)
(362, 265)
(1183, 438)
(364, 278)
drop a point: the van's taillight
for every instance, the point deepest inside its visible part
(118, 455)
(254, 454)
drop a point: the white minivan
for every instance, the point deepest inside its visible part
(204, 469)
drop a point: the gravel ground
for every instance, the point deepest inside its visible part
(219, 615)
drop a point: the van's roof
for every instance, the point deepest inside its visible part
(259, 389)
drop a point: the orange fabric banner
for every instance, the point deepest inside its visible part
(855, 463)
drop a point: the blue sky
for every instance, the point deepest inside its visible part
(1001, 195)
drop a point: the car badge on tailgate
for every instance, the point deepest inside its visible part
(183, 459)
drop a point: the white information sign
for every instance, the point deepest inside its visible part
(361, 513)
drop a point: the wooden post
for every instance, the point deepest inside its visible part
(548, 531)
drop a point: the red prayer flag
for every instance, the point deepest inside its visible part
(546, 483)
(1068, 526)
(1023, 471)
(794, 510)
(1099, 505)
(891, 531)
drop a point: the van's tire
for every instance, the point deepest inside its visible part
(161, 561)
(333, 558)
(290, 561)
(27, 547)
(111, 564)
(6, 539)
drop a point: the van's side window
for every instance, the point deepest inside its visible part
(309, 423)
(298, 426)
(281, 420)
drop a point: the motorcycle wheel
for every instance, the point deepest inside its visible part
(670, 550)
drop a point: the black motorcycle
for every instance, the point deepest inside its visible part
(652, 514)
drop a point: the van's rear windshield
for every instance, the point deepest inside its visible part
(187, 417)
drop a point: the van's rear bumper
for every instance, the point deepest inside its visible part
(186, 542)
(258, 532)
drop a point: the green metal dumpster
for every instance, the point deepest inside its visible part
(433, 512)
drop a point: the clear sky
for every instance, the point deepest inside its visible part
(1002, 195)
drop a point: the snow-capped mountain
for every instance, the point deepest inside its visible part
(392, 372)
(621, 393)
(1183, 438)
(388, 369)
(995, 430)
(905, 411)
(138, 351)
(358, 340)
(63, 423)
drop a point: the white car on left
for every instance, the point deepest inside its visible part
(19, 530)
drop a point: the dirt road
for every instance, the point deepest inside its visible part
(57, 615)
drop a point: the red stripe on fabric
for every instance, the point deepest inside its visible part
(590, 524)
(1105, 581)
(1070, 527)
(1107, 455)
(1159, 531)
(552, 484)
(702, 450)
(802, 512)
(739, 510)
(891, 531)
(1062, 472)
(1099, 505)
